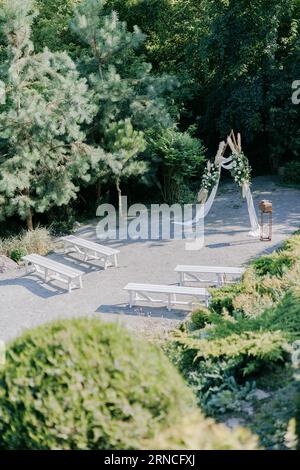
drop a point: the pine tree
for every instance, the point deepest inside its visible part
(124, 143)
(129, 98)
(43, 104)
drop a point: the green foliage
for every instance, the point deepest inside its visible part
(51, 27)
(124, 144)
(275, 264)
(45, 104)
(292, 172)
(236, 61)
(84, 384)
(263, 347)
(61, 227)
(231, 348)
(129, 98)
(179, 158)
(200, 318)
(17, 254)
(223, 298)
(195, 432)
(295, 353)
(272, 416)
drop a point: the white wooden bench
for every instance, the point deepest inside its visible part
(140, 293)
(193, 274)
(90, 250)
(53, 270)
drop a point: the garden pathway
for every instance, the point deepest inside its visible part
(25, 301)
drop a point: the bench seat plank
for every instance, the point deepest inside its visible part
(210, 269)
(188, 273)
(138, 292)
(54, 270)
(90, 250)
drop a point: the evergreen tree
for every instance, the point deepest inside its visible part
(43, 104)
(129, 98)
(124, 143)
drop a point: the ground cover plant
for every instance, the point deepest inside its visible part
(236, 355)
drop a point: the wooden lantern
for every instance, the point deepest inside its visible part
(266, 207)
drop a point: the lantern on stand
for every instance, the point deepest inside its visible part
(266, 207)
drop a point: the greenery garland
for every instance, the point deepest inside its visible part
(241, 170)
(210, 176)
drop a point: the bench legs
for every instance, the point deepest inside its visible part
(131, 298)
(189, 277)
(170, 302)
(90, 255)
(49, 275)
(116, 260)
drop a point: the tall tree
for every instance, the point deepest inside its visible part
(236, 61)
(129, 98)
(44, 103)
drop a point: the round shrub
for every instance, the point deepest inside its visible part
(17, 254)
(200, 318)
(223, 298)
(84, 384)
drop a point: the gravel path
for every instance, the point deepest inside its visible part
(25, 301)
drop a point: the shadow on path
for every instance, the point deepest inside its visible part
(35, 285)
(137, 311)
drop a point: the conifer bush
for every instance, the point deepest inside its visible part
(84, 384)
(195, 432)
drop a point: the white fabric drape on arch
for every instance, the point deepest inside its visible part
(205, 207)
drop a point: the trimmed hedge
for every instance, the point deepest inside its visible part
(84, 384)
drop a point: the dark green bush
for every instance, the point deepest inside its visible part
(274, 265)
(84, 384)
(59, 228)
(17, 254)
(286, 315)
(223, 298)
(292, 172)
(200, 318)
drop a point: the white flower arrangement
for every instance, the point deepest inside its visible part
(210, 176)
(241, 170)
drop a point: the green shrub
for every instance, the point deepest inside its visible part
(194, 432)
(219, 368)
(275, 264)
(286, 315)
(293, 243)
(17, 254)
(60, 228)
(223, 298)
(84, 384)
(200, 318)
(292, 172)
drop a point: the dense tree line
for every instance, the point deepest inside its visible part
(103, 94)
